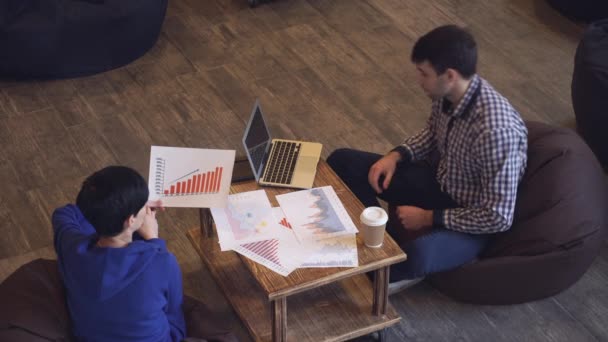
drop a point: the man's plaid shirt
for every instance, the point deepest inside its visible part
(482, 144)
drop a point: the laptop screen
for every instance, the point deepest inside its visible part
(256, 140)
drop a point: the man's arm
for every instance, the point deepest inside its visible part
(420, 145)
(414, 148)
(498, 153)
(69, 223)
(149, 229)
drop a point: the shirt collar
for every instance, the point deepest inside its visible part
(469, 96)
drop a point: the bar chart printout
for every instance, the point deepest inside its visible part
(195, 182)
(190, 177)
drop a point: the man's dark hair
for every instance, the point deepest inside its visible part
(446, 47)
(110, 196)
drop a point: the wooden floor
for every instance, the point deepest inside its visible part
(333, 71)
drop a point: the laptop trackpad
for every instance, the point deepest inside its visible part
(307, 164)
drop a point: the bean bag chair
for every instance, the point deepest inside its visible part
(34, 309)
(590, 88)
(558, 229)
(33, 304)
(581, 10)
(49, 39)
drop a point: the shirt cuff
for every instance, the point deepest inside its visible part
(438, 218)
(406, 154)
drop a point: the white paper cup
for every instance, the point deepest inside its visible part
(373, 220)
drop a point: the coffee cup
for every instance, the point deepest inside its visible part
(373, 220)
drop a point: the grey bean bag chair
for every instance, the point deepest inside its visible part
(34, 309)
(560, 220)
(33, 304)
(581, 10)
(46, 39)
(590, 88)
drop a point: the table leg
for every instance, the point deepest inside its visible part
(279, 319)
(206, 222)
(381, 277)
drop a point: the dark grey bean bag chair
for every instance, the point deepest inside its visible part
(33, 304)
(581, 10)
(590, 89)
(560, 220)
(47, 39)
(33, 309)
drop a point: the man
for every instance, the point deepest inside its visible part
(122, 284)
(454, 183)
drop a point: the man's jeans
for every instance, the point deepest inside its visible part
(439, 249)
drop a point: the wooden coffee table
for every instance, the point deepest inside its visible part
(325, 304)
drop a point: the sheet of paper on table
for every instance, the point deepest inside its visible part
(250, 227)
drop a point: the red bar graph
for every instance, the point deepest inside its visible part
(219, 177)
(198, 183)
(285, 223)
(214, 181)
(208, 181)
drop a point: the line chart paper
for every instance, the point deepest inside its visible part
(316, 214)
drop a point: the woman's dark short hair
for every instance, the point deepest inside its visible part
(110, 196)
(446, 47)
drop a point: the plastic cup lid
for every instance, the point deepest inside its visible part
(373, 216)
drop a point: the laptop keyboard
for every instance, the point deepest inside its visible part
(282, 162)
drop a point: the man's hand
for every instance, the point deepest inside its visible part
(156, 205)
(384, 167)
(149, 228)
(414, 218)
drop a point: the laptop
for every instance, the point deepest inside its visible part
(279, 162)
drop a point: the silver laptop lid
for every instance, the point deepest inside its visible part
(256, 140)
